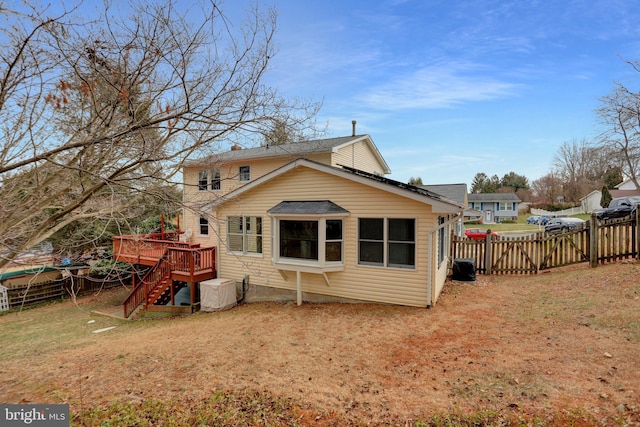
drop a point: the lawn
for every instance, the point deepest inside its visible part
(557, 348)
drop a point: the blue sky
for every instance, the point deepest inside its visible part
(448, 89)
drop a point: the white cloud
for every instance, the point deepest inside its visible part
(437, 86)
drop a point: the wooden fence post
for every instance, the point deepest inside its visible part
(487, 253)
(637, 233)
(593, 241)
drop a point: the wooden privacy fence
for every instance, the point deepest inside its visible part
(595, 244)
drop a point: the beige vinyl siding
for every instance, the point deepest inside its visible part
(358, 156)
(193, 198)
(440, 278)
(397, 286)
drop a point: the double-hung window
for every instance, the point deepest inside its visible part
(204, 226)
(387, 242)
(244, 173)
(505, 206)
(244, 234)
(215, 180)
(209, 179)
(203, 180)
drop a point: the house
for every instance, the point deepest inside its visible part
(591, 201)
(625, 189)
(317, 220)
(495, 207)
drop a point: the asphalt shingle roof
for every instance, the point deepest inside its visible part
(492, 197)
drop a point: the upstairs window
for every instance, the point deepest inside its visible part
(215, 179)
(209, 180)
(244, 173)
(203, 180)
(505, 206)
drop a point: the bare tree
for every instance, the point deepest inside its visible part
(582, 167)
(93, 114)
(620, 114)
(547, 188)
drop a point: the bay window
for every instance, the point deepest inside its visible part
(308, 235)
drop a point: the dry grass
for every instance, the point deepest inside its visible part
(551, 349)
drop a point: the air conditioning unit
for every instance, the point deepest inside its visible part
(217, 294)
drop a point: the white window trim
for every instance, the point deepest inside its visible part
(213, 177)
(206, 178)
(200, 218)
(305, 265)
(240, 174)
(209, 178)
(385, 248)
(244, 251)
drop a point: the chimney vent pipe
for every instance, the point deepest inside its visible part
(353, 127)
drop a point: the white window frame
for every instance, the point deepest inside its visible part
(505, 206)
(216, 178)
(208, 178)
(246, 233)
(244, 176)
(203, 180)
(320, 265)
(202, 224)
(385, 245)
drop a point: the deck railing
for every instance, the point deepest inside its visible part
(146, 248)
(142, 289)
(169, 259)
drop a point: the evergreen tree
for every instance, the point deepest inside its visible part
(606, 197)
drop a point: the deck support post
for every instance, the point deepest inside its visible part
(299, 287)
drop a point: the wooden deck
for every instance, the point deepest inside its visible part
(171, 260)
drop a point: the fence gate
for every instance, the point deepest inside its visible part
(562, 249)
(513, 256)
(4, 298)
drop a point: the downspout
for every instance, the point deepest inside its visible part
(218, 244)
(430, 269)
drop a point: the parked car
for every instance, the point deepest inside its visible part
(620, 207)
(479, 233)
(555, 225)
(534, 219)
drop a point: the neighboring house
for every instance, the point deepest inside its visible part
(495, 207)
(625, 189)
(318, 221)
(591, 201)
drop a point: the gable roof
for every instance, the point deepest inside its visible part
(493, 197)
(439, 203)
(296, 149)
(455, 192)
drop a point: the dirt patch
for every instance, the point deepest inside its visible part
(536, 345)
